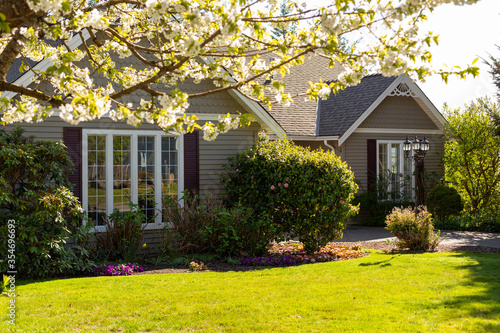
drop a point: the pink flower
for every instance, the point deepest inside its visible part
(279, 184)
(297, 208)
(341, 202)
(312, 260)
(286, 185)
(320, 188)
(237, 170)
(272, 187)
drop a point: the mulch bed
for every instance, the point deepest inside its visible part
(375, 245)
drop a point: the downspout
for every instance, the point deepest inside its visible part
(332, 148)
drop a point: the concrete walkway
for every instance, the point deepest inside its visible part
(355, 233)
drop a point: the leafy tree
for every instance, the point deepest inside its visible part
(223, 42)
(287, 27)
(495, 74)
(472, 155)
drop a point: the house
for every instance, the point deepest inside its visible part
(116, 164)
(366, 125)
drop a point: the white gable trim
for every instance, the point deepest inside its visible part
(396, 131)
(420, 98)
(26, 79)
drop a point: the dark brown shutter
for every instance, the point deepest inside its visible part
(372, 164)
(192, 162)
(72, 137)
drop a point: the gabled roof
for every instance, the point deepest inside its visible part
(300, 117)
(341, 110)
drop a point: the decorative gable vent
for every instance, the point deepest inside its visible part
(402, 90)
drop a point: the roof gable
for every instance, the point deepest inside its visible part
(340, 111)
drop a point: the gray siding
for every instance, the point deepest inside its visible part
(214, 154)
(356, 153)
(399, 112)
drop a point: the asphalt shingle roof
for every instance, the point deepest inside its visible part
(340, 111)
(300, 117)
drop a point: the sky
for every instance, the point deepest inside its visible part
(466, 33)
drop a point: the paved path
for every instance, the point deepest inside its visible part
(355, 233)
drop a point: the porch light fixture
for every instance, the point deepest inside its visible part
(416, 149)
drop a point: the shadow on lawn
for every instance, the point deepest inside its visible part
(382, 263)
(484, 274)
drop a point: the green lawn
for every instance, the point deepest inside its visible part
(442, 292)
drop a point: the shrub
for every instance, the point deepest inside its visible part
(34, 194)
(444, 201)
(209, 227)
(413, 228)
(306, 194)
(123, 237)
(485, 221)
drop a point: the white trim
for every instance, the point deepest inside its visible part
(134, 187)
(396, 131)
(312, 138)
(370, 109)
(420, 98)
(26, 79)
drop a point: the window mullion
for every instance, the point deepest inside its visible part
(109, 174)
(134, 186)
(85, 173)
(158, 178)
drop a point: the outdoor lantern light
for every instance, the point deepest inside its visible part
(407, 146)
(416, 151)
(424, 145)
(415, 144)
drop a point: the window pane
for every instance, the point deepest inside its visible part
(96, 186)
(395, 172)
(407, 178)
(169, 168)
(121, 173)
(146, 174)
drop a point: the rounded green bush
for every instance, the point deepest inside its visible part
(306, 193)
(444, 201)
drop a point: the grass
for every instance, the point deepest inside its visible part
(441, 292)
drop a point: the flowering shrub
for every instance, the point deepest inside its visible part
(306, 193)
(120, 269)
(195, 267)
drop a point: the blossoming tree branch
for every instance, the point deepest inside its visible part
(228, 42)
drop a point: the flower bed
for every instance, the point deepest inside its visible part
(293, 253)
(119, 269)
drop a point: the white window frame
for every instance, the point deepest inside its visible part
(401, 162)
(158, 224)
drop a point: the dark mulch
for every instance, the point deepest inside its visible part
(375, 245)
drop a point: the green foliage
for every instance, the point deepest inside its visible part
(4, 284)
(209, 227)
(375, 205)
(413, 228)
(123, 236)
(306, 194)
(485, 221)
(444, 201)
(472, 155)
(33, 193)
